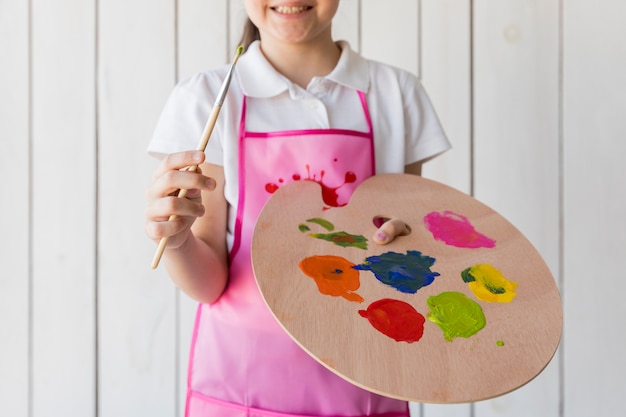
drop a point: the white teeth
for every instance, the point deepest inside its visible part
(291, 9)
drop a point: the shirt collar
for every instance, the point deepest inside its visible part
(258, 78)
(352, 70)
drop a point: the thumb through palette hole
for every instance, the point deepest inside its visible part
(378, 221)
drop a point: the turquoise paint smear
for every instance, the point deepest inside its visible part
(405, 272)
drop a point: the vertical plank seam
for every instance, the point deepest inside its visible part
(472, 128)
(471, 100)
(359, 26)
(419, 42)
(30, 373)
(96, 208)
(420, 29)
(176, 40)
(229, 40)
(561, 202)
(177, 305)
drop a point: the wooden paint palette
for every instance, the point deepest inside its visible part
(462, 309)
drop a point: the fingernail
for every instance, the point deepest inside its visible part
(382, 236)
(197, 156)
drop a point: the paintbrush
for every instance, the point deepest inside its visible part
(206, 135)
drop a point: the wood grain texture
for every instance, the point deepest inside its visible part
(431, 370)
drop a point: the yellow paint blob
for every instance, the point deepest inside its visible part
(488, 284)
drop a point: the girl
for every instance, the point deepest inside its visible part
(300, 106)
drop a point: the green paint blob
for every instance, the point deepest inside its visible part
(343, 239)
(500, 343)
(322, 222)
(304, 228)
(455, 314)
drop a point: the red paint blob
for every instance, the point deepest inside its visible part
(395, 319)
(330, 195)
(350, 177)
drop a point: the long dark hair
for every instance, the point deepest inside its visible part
(250, 34)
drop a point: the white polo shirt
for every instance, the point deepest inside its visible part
(406, 127)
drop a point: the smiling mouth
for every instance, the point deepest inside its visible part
(291, 9)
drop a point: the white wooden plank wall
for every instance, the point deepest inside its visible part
(531, 93)
(516, 146)
(15, 266)
(594, 241)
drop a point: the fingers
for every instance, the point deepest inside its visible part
(171, 181)
(170, 229)
(389, 230)
(167, 213)
(168, 216)
(161, 209)
(174, 174)
(178, 161)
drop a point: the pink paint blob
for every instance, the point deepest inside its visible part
(456, 230)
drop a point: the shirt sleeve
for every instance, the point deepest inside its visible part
(425, 137)
(182, 120)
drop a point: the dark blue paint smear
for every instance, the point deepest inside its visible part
(405, 272)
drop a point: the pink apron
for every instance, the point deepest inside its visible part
(242, 363)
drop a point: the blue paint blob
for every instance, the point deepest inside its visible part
(405, 272)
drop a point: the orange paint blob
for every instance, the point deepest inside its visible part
(333, 275)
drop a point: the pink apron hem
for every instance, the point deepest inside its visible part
(214, 405)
